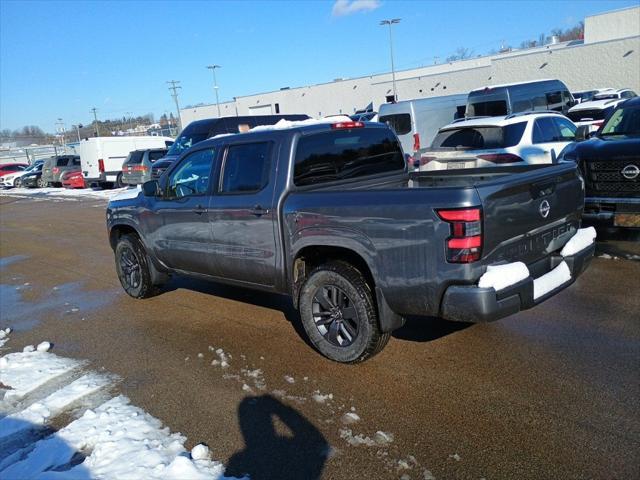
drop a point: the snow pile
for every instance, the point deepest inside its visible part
(28, 371)
(321, 398)
(68, 194)
(127, 194)
(223, 358)
(115, 440)
(285, 124)
(43, 347)
(350, 418)
(551, 280)
(4, 336)
(120, 441)
(500, 277)
(380, 438)
(583, 238)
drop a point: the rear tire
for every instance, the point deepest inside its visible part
(339, 315)
(118, 183)
(132, 266)
(41, 183)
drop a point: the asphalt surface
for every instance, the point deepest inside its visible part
(546, 394)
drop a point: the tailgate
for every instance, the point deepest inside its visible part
(530, 214)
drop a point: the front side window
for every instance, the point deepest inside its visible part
(399, 123)
(544, 131)
(62, 162)
(76, 161)
(247, 168)
(192, 175)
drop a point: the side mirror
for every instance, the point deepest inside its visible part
(151, 189)
(582, 133)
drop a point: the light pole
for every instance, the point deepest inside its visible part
(60, 124)
(78, 127)
(215, 85)
(393, 70)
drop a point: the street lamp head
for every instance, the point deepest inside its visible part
(212, 67)
(390, 21)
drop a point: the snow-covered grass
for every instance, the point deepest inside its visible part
(113, 440)
(583, 238)
(71, 194)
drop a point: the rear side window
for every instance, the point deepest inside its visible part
(62, 162)
(544, 131)
(246, 168)
(76, 161)
(478, 138)
(399, 123)
(153, 156)
(135, 157)
(566, 128)
(346, 154)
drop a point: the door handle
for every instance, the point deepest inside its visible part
(199, 210)
(258, 211)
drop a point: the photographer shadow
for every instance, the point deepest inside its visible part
(279, 443)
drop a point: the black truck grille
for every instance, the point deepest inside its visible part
(605, 179)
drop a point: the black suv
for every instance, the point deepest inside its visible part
(610, 164)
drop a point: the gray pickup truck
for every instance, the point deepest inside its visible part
(328, 214)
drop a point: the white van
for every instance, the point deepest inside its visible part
(102, 157)
(417, 121)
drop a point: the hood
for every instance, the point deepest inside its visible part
(608, 147)
(596, 104)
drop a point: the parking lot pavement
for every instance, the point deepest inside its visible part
(548, 393)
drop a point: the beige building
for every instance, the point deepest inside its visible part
(608, 57)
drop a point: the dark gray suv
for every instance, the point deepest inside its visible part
(54, 167)
(137, 167)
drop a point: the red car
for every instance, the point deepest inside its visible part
(11, 168)
(72, 180)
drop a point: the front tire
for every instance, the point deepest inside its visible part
(41, 183)
(17, 183)
(339, 315)
(132, 266)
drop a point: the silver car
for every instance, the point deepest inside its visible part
(137, 167)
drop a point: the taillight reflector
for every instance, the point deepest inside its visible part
(466, 242)
(464, 215)
(416, 142)
(55, 170)
(343, 125)
(500, 157)
(101, 165)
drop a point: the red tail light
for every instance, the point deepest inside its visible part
(416, 142)
(501, 157)
(465, 243)
(342, 125)
(139, 168)
(55, 170)
(101, 165)
(598, 124)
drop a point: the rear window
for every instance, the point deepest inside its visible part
(584, 115)
(135, 157)
(62, 162)
(399, 123)
(346, 154)
(478, 138)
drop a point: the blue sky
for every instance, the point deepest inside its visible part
(60, 59)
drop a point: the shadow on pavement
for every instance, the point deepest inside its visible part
(280, 443)
(427, 329)
(28, 450)
(618, 242)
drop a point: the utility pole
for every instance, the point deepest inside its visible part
(95, 117)
(174, 88)
(393, 70)
(60, 128)
(215, 85)
(78, 127)
(130, 120)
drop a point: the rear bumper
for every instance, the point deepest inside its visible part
(478, 305)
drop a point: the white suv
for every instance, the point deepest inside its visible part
(521, 138)
(595, 111)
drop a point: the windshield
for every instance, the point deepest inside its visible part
(184, 141)
(624, 121)
(606, 96)
(590, 114)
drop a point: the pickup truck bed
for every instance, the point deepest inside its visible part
(338, 224)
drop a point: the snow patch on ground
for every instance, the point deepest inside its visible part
(321, 398)
(500, 277)
(69, 194)
(127, 193)
(4, 336)
(115, 440)
(583, 238)
(551, 280)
